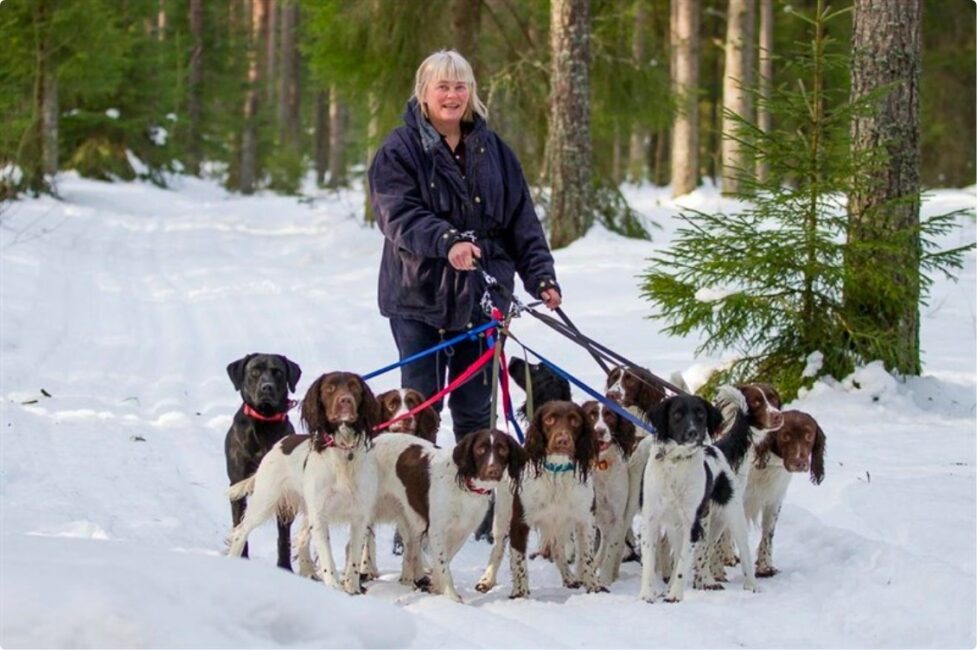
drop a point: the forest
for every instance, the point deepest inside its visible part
(259, 92)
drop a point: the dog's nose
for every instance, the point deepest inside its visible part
(493, 472)
(346, 401)
(266, 387)
(797, 466)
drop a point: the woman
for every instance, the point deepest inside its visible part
(447, 193)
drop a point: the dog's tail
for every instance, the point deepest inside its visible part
(737, 435)
(241, 489)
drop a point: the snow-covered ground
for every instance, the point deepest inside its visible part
(122, 304)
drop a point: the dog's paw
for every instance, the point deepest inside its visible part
(423, 584)
(483, 586)
(766, 571)
(598, 589)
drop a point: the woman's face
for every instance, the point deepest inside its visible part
(446, 101)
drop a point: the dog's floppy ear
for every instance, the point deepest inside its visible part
(817, 457)
(517, 370)
(313, 410)
(517, 459)
(292, 372)
(462, 456)
(535, 438)
(369, 408)
(714, 418)
(585, 446)
(428, 423)
(235, 370)
(658, 416)
(625, 435)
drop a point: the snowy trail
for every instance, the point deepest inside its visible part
(126, 302)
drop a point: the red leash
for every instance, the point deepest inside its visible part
(458, 381)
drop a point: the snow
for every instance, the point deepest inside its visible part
(125, 302)
(158, 135)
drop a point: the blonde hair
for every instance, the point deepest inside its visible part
(448, 65)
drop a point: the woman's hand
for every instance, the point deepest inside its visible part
(551, 298)
(462, 256)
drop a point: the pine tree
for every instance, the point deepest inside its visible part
(766, 283)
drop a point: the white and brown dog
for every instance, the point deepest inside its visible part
(555, 496)
(328, 475)
(440, 496)
(615, 440)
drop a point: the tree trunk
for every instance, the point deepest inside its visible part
(736, 83)
(465, 18)
(372, 138)
(886, 54)
(637, 143)
(249, 138)
(269, 49)
(161, 21)
(321, 137)
(289, 106)
(195, 91)
(685, 84)
(337, 142)
(617, 157)
(45, 160)
(568, 145)
(765, 79)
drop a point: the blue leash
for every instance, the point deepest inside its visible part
(471, 334)
(614, 406)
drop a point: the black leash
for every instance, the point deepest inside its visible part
(598, 351)
(592, 345)
(569, 323)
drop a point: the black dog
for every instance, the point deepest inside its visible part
(547, 386)
(264, 381)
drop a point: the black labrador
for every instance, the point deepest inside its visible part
(265, 381)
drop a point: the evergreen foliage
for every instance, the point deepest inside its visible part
(766, 282)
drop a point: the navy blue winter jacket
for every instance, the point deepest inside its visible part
(424, 205)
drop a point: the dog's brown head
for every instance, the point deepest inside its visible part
(609, 427)
(763, 405)
(800, 442)
(633, 387)
(424, 424)
(562, 428)
(337, 398)
(486, 455)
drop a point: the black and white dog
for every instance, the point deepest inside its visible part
(690, 496)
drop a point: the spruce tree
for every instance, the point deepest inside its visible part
(766, 282)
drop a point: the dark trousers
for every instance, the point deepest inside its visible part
(470, 403)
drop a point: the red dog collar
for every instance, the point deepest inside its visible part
(470, 484)
(277, 417)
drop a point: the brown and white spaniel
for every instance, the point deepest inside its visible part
(749, 412)
(555, 496)
(424, 424)
(635, 389)
(441, 495)
(795, 447)
(399, 401)
(326, 474)
(615, 439)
